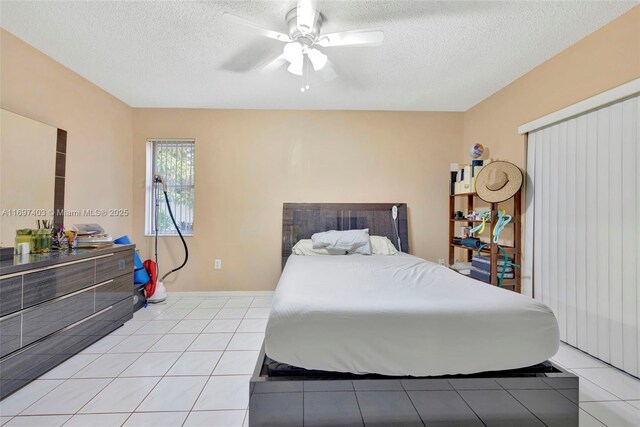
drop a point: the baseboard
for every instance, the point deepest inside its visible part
(214, 294)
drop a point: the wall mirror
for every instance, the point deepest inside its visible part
(32, 174)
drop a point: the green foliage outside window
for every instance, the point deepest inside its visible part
(175, 161)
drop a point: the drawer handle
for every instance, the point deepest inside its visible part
(58, 332)
(63, 297)
(52, 267)
(79, 322)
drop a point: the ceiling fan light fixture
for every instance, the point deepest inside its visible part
(317, 58)
(293, 52)
(304, 36)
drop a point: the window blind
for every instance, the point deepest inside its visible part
(175, 161)
(584, 222)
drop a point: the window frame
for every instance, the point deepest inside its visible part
(149, 187)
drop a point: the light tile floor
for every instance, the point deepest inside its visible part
(187, 362)
(608, 396)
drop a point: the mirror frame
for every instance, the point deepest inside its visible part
(61, 169)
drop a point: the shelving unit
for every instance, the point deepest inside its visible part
(492, 248)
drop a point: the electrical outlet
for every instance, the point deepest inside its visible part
(217, 264)
(441, 261)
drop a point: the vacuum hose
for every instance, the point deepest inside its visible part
(159, 179)
(186, 248)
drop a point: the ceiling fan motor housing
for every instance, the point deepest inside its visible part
(295, 33)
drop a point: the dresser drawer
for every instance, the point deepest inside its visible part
(117, 290)
(10, 295)
(54, 282)
(50, 317)
(9, 334)
(114, 265)
(29, 363)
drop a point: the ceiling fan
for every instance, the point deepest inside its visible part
(304, 38)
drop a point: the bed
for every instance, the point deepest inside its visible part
(401, 341)
(359, 314)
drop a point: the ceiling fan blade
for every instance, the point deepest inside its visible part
(251, 57)
(257, 29)
(274, 64)
(296, 68)
(352, 38)
(328, 72)
(306, 15)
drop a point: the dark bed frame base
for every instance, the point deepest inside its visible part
(536, 396)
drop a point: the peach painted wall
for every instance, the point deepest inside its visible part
(605, 59)
(99, 165)
(248, 162)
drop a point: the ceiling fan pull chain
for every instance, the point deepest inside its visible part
(307, 60)
(305, 75)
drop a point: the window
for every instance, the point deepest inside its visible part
(174, 159)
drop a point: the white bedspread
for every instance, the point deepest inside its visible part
(401, 315)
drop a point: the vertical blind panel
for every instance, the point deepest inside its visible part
(569, 235)
(615, 234)
(637, 223)
(629, 228)
(586, 229)
(546, 220)
(558, 230)
(602, 237)
(592, 222)
(527, 254)
(539, 173)
(580, 225)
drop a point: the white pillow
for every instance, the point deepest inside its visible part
(305, 247)
(380, 245)
(348, 240)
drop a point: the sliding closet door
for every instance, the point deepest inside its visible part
(586, 229)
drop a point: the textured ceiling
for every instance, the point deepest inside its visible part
(437, 55)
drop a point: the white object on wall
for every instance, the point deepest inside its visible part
(582, 232)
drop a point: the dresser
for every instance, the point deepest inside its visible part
(53, 306)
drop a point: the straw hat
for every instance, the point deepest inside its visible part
(498, 181)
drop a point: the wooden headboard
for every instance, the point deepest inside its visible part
(301, 220)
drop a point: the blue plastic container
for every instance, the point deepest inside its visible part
(140, 275)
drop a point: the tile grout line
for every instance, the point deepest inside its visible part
(154, 387)
(72, 377)
(604, 389)
(63, 381)
(357, 402)
(406, 393)
(618, 398)
(453, 388)
(135, 332)
(590, 414)
(185, 351)
(102, 389)
(207, 382)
